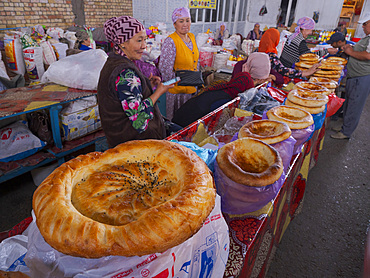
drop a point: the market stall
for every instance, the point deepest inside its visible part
(16, 103)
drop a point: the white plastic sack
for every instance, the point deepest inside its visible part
(79, 71)
(14, 53)
(283, 37)
(55, 32)
(79, 104)
(48, 53)
(229, 44)
(60, 49)
(12, 252)
(34, 62)
(203, 255)
(18, 142)
(201, 39)
(70, 36)
(3, 72)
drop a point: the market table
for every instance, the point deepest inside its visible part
(255, 236)
(17, 102)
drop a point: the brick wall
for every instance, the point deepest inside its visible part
(59, 13)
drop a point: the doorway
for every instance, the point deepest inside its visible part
(287, 13)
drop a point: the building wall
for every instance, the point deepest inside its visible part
(59, 13)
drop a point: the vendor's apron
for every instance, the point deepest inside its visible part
(186, 59)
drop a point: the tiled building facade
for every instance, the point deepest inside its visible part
(60, 13)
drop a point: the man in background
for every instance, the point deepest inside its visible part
(358, 80)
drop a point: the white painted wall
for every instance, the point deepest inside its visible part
(149, 12)
(329, 12)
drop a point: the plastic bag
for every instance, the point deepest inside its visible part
(80, 71)
(48, 53)
(203, 255)
(34, 62)
(201, 39)
(14, 53)
(333, 104)
(238, 198)
(12, 252)
(17, 142)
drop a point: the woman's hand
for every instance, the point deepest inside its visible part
(154, 80)
(310, 71)
(160, 90)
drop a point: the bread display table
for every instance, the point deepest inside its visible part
(19, 101)
(255, 236)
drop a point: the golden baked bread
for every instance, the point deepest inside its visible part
(307, 98)
(12, 274)
(311, 110)
(312, 87)
(332, 77)
(268, 131)
(304, 64)
(337, 60)
(328, 66)
(325, 82)
(250, 162)
(328, 72)
(295, 118)
(308, 56)
(138, 198)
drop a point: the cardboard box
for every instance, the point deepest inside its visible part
(80, 123)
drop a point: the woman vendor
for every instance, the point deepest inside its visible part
(83, 41)
(255, 33)
(127, 103)
(179, 52)
(221, 34)
(256, 71)
(296, 44)
(269, 41)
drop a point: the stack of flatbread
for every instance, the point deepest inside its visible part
(331, 68)
(306, 61)
(308, 96)
(328, 83)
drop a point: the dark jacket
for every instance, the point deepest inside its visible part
(116, 125)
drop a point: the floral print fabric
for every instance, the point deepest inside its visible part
(129, 92)
(280, 68)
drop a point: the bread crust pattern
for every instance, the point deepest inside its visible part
(138, 198)
(307, 98)
(294, 117)
(268, 131)
(311, 110)
(250, 162)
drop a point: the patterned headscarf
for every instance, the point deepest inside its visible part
(269, 41)
(180, 13)
(302, 23)
(121, 29)
(258, 65)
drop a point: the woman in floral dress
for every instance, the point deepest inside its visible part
(127, 102)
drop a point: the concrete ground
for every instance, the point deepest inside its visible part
(326, 240)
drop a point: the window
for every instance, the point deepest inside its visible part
(221, 13)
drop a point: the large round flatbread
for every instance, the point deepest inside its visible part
(138, 198)
(337, 60)
(304, 65)
(309, 57)
(295, 118)
(328, 72)
(268, 131)
(325, 82)
(250, 162)
(312, 87)
(311, 110)
(331, 67)
(307, 98)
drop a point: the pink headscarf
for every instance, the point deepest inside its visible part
(258, 65)
(121, 29)
(302, 23)
(180, 13)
